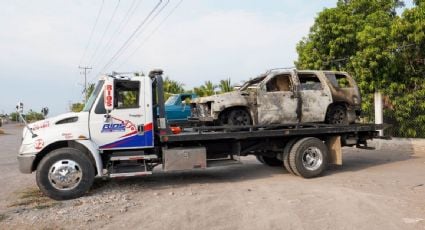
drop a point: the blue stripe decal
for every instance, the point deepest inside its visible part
(132, 141)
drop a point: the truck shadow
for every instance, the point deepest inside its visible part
(250, 170)
(354, 160)
(390, 152)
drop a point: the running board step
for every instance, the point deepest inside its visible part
(129, 174)
(132, 157)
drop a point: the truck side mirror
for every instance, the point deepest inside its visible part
(108, 94)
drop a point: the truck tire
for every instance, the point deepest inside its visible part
(239, 117)
(337, 115)
(308, 157)
(270, 161)
(65, 173)
(286, 151)
(260, 159)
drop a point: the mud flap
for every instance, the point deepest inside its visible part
(335, 150)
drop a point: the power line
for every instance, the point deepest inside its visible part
(125, 45)
(131, 10)
(92, 31)
(152, 33)
(104, 32)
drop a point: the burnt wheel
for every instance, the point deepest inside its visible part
(337, 115)
(239, 117)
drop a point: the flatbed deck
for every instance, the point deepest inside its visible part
(206, 133)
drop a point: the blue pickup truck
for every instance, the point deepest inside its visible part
(177, 108)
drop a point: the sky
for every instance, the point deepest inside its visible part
(43, 42)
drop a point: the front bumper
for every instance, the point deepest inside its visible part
(25, 163)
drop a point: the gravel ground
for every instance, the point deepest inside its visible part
(381, 189)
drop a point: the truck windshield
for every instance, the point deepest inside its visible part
(93, 96)
(172, 100)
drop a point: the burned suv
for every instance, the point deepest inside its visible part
(284, 96)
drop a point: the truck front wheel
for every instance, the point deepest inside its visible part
(239, 117)
(65, 173)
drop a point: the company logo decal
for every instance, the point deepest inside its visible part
(38, 144)
(113, 128)
(40, 125)
(118, 126)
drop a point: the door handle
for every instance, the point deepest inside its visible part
(141, 129)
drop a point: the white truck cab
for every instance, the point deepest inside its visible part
(117, 116)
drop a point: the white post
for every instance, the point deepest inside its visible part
(379, 114)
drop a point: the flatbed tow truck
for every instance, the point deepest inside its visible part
(123, 132)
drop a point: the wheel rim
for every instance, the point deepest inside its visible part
(240, 118)
(312, 158)
(339, 116)
(65, 174)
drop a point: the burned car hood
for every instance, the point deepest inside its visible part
(225, 97)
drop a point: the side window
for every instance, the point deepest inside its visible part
(309, 82)
(126, 94)
(100, 107)
(279, 83)
(339, 80)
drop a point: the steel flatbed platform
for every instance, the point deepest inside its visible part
(206, 133)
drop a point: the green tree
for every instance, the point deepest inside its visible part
(369, 40)
(32, 116)
(90, 89)
(14, 116)
(172, 87)
(225, 86)
(207, 89)
(76, 107)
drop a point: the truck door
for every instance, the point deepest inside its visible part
(277, 102)
(315, 97)
(129, 123)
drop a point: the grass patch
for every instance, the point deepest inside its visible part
(34, 198)
(3, 217)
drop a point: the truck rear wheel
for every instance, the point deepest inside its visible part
(286, 151)
(65, 173)
(337, 115)
(308, 157)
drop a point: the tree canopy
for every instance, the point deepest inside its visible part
(384, 52)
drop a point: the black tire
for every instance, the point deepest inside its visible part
(65, 156)
(308, 157)
(260, 159)
(270, 161)
(337, 115)
(286, 151)
(239, 117)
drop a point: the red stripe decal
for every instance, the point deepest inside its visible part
(148, 127)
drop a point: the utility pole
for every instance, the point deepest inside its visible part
(85, 68)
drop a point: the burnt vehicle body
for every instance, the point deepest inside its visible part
(282, 97)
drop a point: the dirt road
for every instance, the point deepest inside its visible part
(382, 189)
